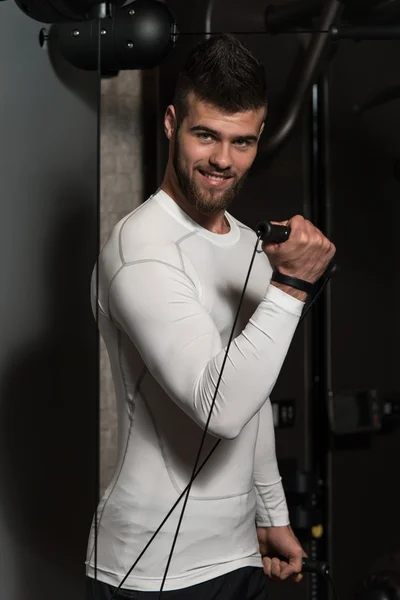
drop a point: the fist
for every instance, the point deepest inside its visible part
(305, 255)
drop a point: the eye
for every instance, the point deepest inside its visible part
(242, 143)
(205, 137)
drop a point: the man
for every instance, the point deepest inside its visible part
(170, 278)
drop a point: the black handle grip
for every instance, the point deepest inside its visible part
(269, 232)
(311, 566)
(315, 566)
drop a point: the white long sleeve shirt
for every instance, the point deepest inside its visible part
(168, 294)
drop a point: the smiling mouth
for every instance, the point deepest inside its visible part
(215, 176)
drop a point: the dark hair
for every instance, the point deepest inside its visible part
(222, 71)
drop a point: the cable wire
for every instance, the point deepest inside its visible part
(98, 241)
(332, 585)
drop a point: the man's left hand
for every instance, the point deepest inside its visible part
(281, 541)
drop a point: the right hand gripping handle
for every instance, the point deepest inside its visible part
(278, 234)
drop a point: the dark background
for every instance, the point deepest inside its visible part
(48, 349)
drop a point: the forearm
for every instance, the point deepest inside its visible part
(250, 373)
(271, 509)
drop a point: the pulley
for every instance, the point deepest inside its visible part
(137, 36)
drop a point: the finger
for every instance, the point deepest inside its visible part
(267, 565)
(293, 568)
(297, 577)
(326, 243)
(287, 571)
(297, 219)
(284, 223)
(276, 568)
(311, 235)
(297, 222)
(315, 235)
(322, 237)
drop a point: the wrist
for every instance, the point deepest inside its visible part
(298, 288)
(291, 291)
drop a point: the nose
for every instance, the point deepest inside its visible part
(221, 158)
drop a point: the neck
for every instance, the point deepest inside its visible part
(216, 222)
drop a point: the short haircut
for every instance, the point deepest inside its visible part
(223, 72)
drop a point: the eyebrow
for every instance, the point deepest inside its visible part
(250, 137)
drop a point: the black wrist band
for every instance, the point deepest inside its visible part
(294, 282)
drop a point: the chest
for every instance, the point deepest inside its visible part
(222, 274)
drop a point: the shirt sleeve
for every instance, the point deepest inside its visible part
(157, 305)
(271, 508)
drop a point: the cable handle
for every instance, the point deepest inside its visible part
(318, 567)
(269, 232)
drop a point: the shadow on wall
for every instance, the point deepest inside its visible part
(47, 421)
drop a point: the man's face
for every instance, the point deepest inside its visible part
(213, 152)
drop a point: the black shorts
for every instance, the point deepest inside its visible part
(248, 583)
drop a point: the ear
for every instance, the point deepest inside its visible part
(170, 121)
(261, 130)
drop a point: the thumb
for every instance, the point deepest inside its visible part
(270, 247)
(284, 223)
(293, 567)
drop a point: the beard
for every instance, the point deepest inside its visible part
(205, 202)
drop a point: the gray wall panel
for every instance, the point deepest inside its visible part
(48, 370)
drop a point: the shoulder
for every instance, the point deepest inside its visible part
(147, 233)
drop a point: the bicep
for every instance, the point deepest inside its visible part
(157, 306)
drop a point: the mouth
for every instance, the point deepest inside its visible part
(214, 179)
